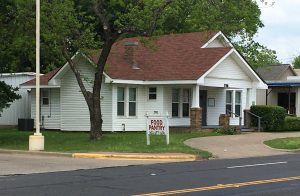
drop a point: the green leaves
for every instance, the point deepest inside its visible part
(7, 95)
(296, 62)
(256, 54)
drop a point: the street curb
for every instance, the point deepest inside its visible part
(41, 153)
(124, 156)
(184, 157)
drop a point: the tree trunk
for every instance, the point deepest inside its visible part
(96, 125)
(95, 111)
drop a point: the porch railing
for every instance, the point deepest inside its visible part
(259, 120)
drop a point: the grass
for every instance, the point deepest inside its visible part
(57, 141)
(290, 143)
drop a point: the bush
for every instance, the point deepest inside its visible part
(227, 130)
(272, 116)
(292, 123)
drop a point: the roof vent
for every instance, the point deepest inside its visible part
(130, 54)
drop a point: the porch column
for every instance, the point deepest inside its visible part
(196, 101)
(196, 111)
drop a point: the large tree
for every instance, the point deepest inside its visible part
(68, 26)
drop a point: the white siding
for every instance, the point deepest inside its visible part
(216, 43)
(228, 69)
(74, 110)
(228, 72)
(219, 94)
(49, 113)
(19, 108)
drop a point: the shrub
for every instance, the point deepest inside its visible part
(292, 123)
(272, 116)
(227, 130)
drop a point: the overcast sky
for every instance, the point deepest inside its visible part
(282, 28)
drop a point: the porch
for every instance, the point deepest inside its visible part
(198, 106)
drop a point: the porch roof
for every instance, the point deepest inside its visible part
(283, 83)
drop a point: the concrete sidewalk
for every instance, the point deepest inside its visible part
(109, 155)
(240, 146)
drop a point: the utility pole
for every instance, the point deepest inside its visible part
(36, 141)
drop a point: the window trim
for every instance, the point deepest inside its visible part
(188, 102)
(42, 97)
(135, 101)
(122, 101)
(127, 101)
(177, 102)
(181, 102)
(233, 100)
(152, 93)
(239, 104)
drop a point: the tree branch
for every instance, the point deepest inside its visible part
(157, 13)
(86, 94)
(99, 11)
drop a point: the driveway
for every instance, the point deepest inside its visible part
(240, 146)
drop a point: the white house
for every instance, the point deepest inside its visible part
(19, 108)
(194, 77)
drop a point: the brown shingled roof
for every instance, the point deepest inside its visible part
(172, 57)
(44, 79)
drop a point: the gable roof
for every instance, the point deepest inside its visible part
(273, 72)
(170, 57)
(177, 57)
(43, 78)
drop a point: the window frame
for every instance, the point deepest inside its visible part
(239, 104)
(233, 102)
(229, 103)
(186, 102)
(176, 102)
(121, 101)
(127, 101)
(132, 101)
(45, 97)
(152, 93)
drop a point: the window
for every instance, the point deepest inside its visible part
(238, 103)
(152, 93)
(121, 101)
(228, 102)
(175, 102)
(185, 102)
(132, 101)
(45, 97)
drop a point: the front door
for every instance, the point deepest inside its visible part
(203, 105)
(287, 101)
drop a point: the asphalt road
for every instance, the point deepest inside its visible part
(15, 164)
(276, 175)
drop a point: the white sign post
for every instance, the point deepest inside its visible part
(157, 125)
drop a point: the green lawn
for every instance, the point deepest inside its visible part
(56, 141)
(284, 143)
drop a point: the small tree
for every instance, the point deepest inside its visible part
(7, 95)
(296, 62)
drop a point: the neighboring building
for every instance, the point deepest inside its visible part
(177, 75)
(297, 71)
(283, 83)
(19, 108)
